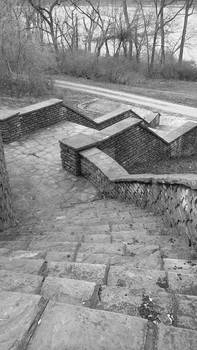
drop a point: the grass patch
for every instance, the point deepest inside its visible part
(181, 165)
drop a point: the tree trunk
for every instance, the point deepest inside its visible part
(128, 25)
(162, 58)
(153, 49)
(184, 31)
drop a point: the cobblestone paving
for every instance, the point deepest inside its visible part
(41, 189)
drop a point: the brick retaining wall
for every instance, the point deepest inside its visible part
(76, 116)
(30, 118)
(6, 211)
(128, 142)
(135, 146)
(174, 197)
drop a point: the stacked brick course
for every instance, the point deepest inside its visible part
(74, 115)
(30, 119)
(6, 211)
(135, 146)
(174, 197)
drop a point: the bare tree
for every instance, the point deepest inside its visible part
(189, 9)
(46, 12)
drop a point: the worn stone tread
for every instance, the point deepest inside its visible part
(19, 316)
(73, 327)
(68, 291)
(24, 254)
(19, 282)
(183, 282)
(162, 307)
(89, 272)
(136, 279)
(32, 266)
(173, 338)
(101, 248)
(47, 245)
(181, 265)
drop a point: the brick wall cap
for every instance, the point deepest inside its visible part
(81, 141)
(172, 135)
(144, 114)
(104, 163)
(189, 180)
(7, 114)
(39, 105)
(116, 173)
(78, 111)
(92, 137)
(115, 113)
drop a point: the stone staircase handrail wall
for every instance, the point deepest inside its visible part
(172, 196)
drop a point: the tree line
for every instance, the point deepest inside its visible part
(40, 33)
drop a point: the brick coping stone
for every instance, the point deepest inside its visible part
(116, 173)
(4, 115)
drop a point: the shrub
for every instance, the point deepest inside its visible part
(109, 69)
(174, 70)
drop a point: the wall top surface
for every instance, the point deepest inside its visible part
(117, 173)
(171, 133)
(92, 137)
(7, 114)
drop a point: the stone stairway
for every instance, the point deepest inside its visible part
(112, 279)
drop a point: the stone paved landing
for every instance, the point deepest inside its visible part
(42, 190)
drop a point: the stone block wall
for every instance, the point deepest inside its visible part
(6, 211)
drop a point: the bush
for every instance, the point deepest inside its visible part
(109, 69)
(28, 76)
(174, 70)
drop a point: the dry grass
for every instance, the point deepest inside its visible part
(169, 166)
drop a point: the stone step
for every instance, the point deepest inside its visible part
(20, 282)
(162, 307)
(18, 254)
(101, 219)
(139, 256)
(73, 327)
(88, 272)
(73, 237)
(100, 225)
(30, 266)
(79, 328)
(137, 280)
(19, 243)
(47, 245)
(108, 217)
(146, 280)
(70, 291)
(19, 316)
(182, 282)
(181, 265)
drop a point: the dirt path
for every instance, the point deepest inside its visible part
(159, 105)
